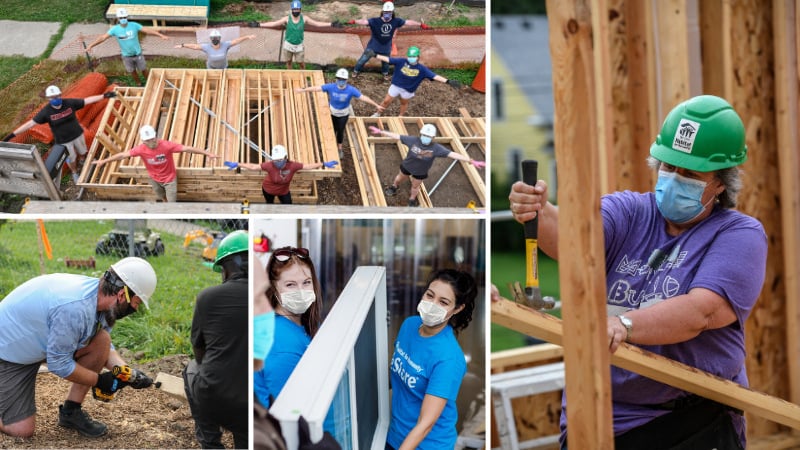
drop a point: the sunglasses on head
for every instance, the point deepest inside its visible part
(283, 254)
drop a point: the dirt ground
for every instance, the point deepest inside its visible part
(145, 418)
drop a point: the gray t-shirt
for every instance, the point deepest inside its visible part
(217, 57)
(420, 157)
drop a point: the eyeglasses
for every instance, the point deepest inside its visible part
(283, 254)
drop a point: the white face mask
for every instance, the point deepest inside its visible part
(431, 313)
(297, 302)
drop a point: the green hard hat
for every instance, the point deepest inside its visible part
(703, 133)
(236, 242)
(413, 51)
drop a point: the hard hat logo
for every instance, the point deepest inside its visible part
(684, 138)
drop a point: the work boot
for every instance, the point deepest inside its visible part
(390, 190)
(77, 419)
(413, 202)
(354, 74)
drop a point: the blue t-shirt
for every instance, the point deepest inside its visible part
(382, 34)
(340, 98)
(127, 38)
(408, 76)
(48, 318)
(291, 341)
(425, 365)
(725, 253)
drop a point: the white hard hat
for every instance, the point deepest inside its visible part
(138, 275)
(428, 130)
(278, 152)
(147, 132)
(388, 7)
(122, 13)
(342, 73)
(215, 33)
(52, 91)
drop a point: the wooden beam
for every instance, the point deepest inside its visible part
(172, 385)
(651, 365)
(582, 274)
(525, 355)
(788, 122)
(674, 48)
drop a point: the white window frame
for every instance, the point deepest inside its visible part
(312, 385)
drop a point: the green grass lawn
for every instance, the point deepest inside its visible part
(162, 330)
(510, 267)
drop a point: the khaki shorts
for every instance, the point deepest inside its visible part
(296, 53)
(76, 147)
(17, 391)
(167, 190)
(134, 63)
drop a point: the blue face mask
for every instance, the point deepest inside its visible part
(679, 198)
(386, 16)
(412, 59)
(263, 334)
(123, 21)
(426, 140)
(341, 83)
(55, 102)
(279, 164)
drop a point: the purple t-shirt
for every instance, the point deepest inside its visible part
(725, 253)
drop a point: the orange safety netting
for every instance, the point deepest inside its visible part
(93, 83)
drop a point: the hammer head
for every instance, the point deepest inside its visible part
(532, 297)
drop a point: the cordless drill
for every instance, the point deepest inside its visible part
(127, 377)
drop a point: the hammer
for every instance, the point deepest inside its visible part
(532, 296)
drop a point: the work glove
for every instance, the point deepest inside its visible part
(109, 383)
(369, 52)
(9, 137)
(337, 24)
(424, 26)
(326, 443)
(231, 165)
(110, 94)
(454, 84)
(478, 164)
(253, 24)
(351, 22)
(374, 130)
(330, 164)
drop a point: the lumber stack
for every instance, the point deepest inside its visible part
(239, 115)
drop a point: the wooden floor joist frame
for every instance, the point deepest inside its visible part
(239, 115)
(457, 133)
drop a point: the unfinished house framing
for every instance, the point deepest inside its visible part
(236, 114)
(618, 67)
(239, 115)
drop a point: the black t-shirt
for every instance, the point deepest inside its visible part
(220, 331)
(63, 122)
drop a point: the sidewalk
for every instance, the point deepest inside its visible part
(322, 48)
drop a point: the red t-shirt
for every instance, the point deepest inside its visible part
(159, 161)
(277, 180)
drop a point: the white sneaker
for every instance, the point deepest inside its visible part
(377, 114)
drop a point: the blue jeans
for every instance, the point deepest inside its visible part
(363, 60)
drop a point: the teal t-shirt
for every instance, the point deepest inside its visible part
(127, 38)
